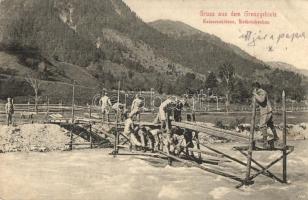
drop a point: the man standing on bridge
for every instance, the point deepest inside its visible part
(137, 104)
(164, 113)
(105, 104)
(266, 113)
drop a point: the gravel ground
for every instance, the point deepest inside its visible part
(34, 137)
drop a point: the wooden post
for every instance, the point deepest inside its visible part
(47, 104)
(71, 140)
(200, 98)
(73, 103)
(116, 141)
(90, 112)
(125, 100)
(47, 108)
(193, 107)
(151, 99)
(28, 104)
(61, 107)
(284, 139)
(91, 140)
(198, 144)
(193, 111)
(208, 99)
(217, 103)
(90, 116)
(251, 141)
(73, 116)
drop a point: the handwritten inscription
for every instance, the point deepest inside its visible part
(252, 38)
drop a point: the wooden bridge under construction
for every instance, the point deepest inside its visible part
(209, 158)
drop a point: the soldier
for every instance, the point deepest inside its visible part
(9, 110)
(164, 113)
(142, 135)
(177, 112)
(266, 113)
(137, 104)
(130, 131)
(157, 136)
(105, 105)
(119, 109)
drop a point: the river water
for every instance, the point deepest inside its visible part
(93, 174)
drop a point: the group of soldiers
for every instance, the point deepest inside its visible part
(140, 135)
(172, 108)
(119, 108)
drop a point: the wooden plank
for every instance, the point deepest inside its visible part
(245, 148)
(232, 133)
(213, 132)
(214, 171)
(206, 152)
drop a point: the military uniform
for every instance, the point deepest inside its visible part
(9, 110)
(119, 110)
(177, 112)
(129, 131)
(105, 105)
(164, 113)
(266, 113)
(136, 108)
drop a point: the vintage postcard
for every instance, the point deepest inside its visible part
(153, 99)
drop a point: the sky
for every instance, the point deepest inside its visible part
(284, 39)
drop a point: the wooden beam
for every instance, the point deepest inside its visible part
(191, 164)
(266, 171)
(284, 138)
(220, 133)
(206, 152)
(251, 141)
(265, 168)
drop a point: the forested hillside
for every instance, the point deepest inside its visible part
(70, 40)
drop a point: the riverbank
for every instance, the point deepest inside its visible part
(34, 137)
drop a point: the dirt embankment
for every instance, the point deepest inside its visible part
(34, 137)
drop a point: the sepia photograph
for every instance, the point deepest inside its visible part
(153, 99)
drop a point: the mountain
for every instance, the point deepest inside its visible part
(68, 41)
(181, 30)
(176, 28)
(288, 67)
(55, 27)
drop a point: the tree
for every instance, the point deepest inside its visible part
(226, 74)
(241, 91)
(211, 81)
(35, 84)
